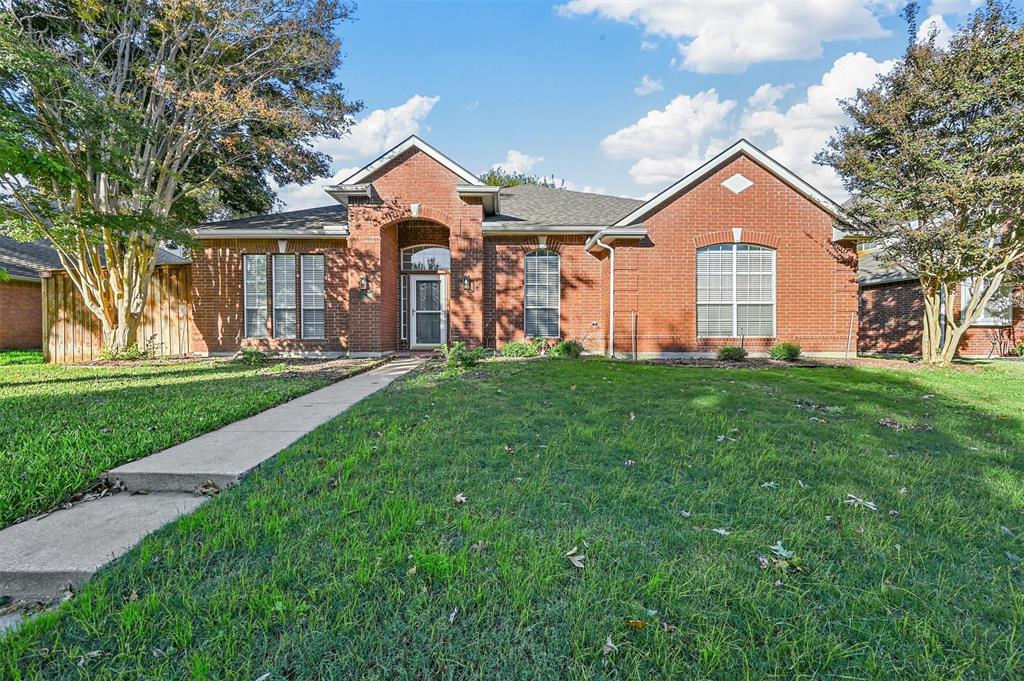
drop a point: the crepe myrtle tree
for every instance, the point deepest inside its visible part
(934, 160)
(125, 122)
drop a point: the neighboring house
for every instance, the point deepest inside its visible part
(28, 263)
(21, 316)
(892, 315)
(419, 252)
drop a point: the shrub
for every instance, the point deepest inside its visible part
(520, 349)
(252, 356)
(1019, 350)
(459, 355)
(569, 349)
(785, 352)
(133, 352)
(732, 353)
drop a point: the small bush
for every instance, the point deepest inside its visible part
(785, 352)
(1019, 350)
(132, 353)
(252, 357)
(459, 355)
(569, 349)
(732, 353)
(519, 349)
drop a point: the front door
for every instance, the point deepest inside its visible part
(426, 311)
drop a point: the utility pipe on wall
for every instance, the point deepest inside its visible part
(611, 295)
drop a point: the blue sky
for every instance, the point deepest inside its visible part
(615, 97)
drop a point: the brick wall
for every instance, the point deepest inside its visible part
(892, 317)
(218, 316)
(584, 290)
(816, 287)
(21, 316)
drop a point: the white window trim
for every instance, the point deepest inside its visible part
(401, 258)
(245, 293)
(273, 294)
(558, 259)
(984, 321)
(302, 296)
(735, 304)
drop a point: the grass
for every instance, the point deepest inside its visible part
(63, 426)
(347, 556)
(15, 357)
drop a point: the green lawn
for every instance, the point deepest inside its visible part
(348, 557)
(60, 427)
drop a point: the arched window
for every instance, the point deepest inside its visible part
(543, 293)
(735, 291)
(426, 258)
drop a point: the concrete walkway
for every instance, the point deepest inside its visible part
(40, 558)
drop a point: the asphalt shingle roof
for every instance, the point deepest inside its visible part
(29, 258)
(308, 220)
(870, 271)
(534, 205)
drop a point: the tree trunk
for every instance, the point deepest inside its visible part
(122, 334)
(931, 334)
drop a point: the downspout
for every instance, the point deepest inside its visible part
(611, 295)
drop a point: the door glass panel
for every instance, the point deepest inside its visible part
(428, 296)
(428, 328)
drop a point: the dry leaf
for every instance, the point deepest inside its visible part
(722, 531)
(575, 558)
(771, 484)
(685, 514)
(668, 628)
(763, 562)
(411, 571)
(459, 498)
(608, 647)
(629, 463)
(451, 617)
(856, 501)
(779, 550)
(509, 450)
(636, 624)
(632, 416)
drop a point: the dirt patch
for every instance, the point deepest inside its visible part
(331, 369)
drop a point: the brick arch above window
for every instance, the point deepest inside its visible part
(725, 236)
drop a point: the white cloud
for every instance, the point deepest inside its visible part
(381, 130)
(727, 36)
(374, 134)
(648, 45)
(667, 142)
(648, 85)
(943, 32)
(518, 162)
(794, 135)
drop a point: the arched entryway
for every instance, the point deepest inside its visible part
(424, 263)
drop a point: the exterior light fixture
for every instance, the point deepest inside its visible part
(364, 284)
(467, 283)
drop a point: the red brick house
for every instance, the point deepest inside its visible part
(20, 307)
(892, 315)
(418, 251)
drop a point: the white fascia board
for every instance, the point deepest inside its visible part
(613, 234)
(403, 146)
(491, 196)
(21, 277)
(762, 159)
(266, 234)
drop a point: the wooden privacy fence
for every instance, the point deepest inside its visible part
(71, 333)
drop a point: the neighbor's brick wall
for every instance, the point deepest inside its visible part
(218, 314)
(21, 315)
(891, 321)
(380, 224)
(816, 287)
(584, 291)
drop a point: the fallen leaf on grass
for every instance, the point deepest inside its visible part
(856, 501)
(509, 450)
(459, 498)
(722, 531)
(668, 628)
(771, 484)
(779, 550)
(636, 624)
(685, 514)
(452, 616)
(575, 558)
(763, 562)
(608, 647)
(629, 463)
(803, 485)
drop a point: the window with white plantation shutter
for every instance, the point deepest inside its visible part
(543, 294)
(735, 291)
(255, 295)
(284, 296)
(313, 296)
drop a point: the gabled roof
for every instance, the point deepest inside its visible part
(871, 271)
(26, 259)
(741, 147)
(534, 205)
(410, 142)
(325, 221)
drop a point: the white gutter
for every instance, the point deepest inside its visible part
(265, 234)
(611, 295)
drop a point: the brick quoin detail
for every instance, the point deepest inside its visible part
(21, 315)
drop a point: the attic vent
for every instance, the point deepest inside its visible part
(737, 183)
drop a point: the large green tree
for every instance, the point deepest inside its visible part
(935, 162)
(124, 122)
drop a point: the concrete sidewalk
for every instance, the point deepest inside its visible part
(40, 558)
